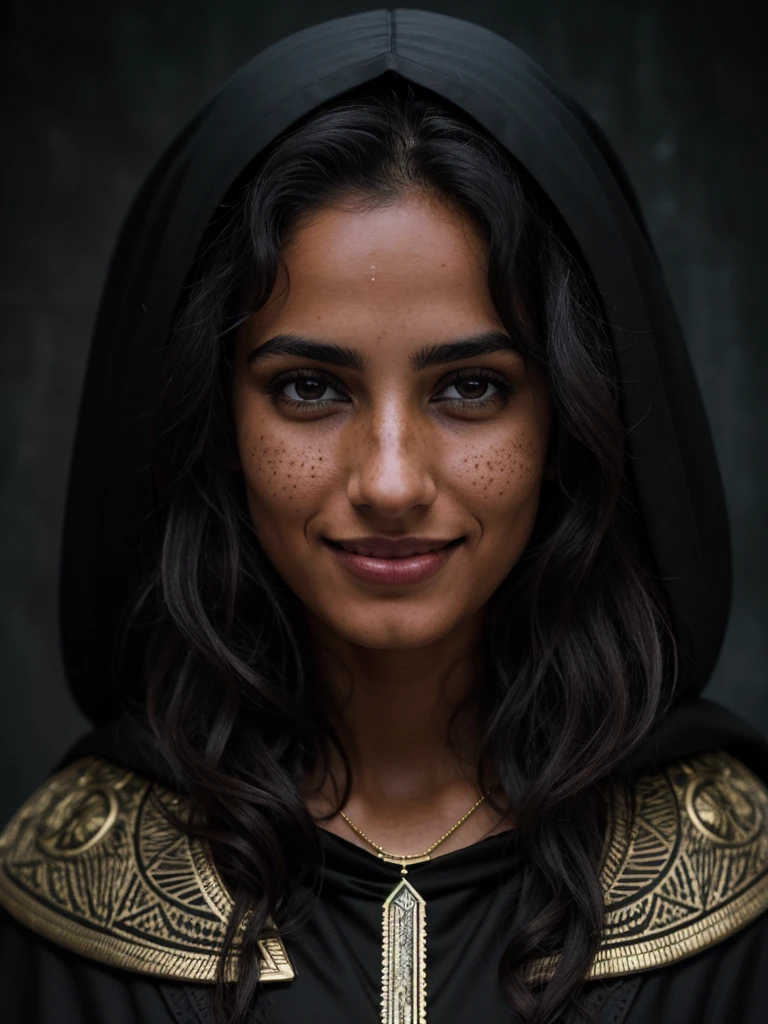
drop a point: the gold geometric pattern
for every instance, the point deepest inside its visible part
(685, 866)
(92, 863)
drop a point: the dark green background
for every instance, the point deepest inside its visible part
(94, 91)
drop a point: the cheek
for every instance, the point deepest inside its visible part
(284, 479)
(501, 477)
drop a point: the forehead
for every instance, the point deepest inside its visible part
(418, 266)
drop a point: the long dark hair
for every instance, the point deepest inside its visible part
(581, 661)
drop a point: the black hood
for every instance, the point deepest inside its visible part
(676, 477)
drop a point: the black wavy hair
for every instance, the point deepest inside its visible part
(581, 658)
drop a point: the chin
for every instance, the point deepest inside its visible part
(394, 630)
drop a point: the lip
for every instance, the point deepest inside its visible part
(394, 561)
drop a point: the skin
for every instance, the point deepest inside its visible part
(386, 449)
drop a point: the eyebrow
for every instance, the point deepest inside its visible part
(482, 344)
(307, 348)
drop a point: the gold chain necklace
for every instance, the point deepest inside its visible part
(404, 935)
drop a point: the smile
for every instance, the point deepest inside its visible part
(393, 561)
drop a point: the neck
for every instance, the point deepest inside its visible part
(403, 716)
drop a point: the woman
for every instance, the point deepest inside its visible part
(435, 559)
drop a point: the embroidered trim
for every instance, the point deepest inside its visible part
(92, 863)
(685, 867)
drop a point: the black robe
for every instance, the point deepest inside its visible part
(337, 965)
(41, 983)
(472, 893)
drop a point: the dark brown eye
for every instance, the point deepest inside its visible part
(307, 389)
(469, 388)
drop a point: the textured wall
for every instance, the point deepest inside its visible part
(97, 89)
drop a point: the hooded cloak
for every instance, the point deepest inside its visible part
(331, 972)
(676, 477)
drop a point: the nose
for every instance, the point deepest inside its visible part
(392, 458)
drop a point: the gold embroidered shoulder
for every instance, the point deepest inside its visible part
(685, 865)
(92, 863)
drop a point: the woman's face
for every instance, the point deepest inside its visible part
(391, 439)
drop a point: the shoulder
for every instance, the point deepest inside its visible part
(93, 863)
(44, 983)
(685, 865)
(728, 981)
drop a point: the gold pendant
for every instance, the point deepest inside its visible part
(404, 957)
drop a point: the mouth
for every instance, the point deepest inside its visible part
(393, 560)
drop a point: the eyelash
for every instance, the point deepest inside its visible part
(276, 386)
